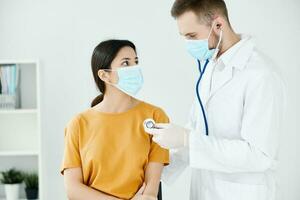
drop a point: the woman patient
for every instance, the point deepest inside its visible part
(107, 153)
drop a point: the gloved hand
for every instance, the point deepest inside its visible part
(169, 136)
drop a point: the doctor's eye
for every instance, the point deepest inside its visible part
(191, 36)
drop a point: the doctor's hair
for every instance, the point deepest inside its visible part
(103, 55)
(206, 10)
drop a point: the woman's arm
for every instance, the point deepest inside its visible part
(152, 178)
(76, 190)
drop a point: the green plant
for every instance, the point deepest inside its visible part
(31, 181)
(12, 176)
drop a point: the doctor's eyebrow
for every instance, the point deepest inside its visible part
(189, 34)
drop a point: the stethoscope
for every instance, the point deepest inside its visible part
(202, 71)
(149, 123)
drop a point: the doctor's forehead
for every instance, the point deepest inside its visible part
(189, 23)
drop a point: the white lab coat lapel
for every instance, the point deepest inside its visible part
(220, 78)
(222, 75)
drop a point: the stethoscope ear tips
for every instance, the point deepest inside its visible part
(149, 123)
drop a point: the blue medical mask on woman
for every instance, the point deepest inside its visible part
(199, 49)
(130, 80)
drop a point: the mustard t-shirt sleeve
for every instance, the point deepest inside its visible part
(157, 153)
(71, 158)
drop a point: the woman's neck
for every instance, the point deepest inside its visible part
(115, 101)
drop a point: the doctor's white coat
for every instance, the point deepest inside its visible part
(243, 97)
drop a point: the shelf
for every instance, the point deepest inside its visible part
(1, 198)
(20, 128)
(18, 153)
(5, 62)
(19, 111)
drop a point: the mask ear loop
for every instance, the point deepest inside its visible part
(110, 70)
(212, 26)
(116, 70)
(218, 45)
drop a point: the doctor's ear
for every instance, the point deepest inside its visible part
(219, 26)
(103, 75)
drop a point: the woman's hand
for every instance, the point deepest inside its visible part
(140, 196)
(139, 193)
(148, 197)
(144, 197)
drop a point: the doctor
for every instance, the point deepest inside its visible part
(231, 140)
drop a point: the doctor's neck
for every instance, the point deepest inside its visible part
(229, 39)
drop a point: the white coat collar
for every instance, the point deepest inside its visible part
(235, 57)
(238, 55)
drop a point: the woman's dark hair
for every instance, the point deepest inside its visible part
(102, 57)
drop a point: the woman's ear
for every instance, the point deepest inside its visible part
(103, 75)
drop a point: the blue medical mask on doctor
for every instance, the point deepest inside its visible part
(130, 79)
(199, 49)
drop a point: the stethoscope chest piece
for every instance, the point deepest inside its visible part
(149, 123)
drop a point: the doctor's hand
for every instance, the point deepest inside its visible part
(169, 136)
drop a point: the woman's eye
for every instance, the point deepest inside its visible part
(137, 62)
(126, 63)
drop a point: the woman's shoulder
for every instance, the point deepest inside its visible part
(79, 118)
(157, 112)
(151, 107)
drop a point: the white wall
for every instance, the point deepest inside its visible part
(62, 34)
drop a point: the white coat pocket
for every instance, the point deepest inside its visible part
(240, 191)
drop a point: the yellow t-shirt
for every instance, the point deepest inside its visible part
(113, 150)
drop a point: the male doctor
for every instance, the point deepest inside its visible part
(231, 141)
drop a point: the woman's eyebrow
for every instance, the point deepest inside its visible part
(136, 58)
